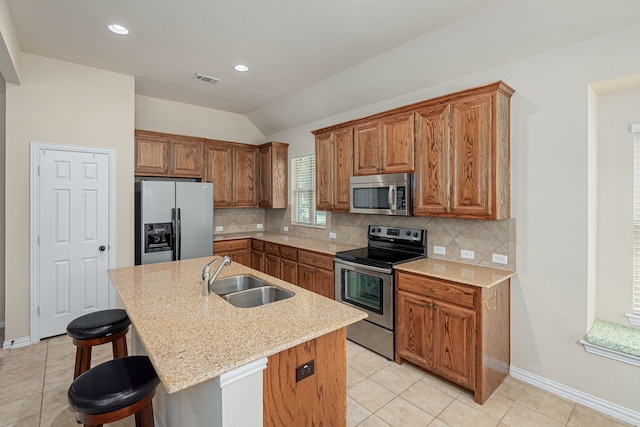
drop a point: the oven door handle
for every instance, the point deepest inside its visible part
(363, 266)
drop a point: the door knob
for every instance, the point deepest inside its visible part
(101, 248)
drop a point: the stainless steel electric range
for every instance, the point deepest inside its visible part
(365, 280)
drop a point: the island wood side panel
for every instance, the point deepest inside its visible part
(320, 399)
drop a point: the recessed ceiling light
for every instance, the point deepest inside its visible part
(241, 67)
(118, 29)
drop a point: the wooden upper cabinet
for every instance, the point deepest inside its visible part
(334, 167)
(342, 168)
(185, 158)
(384, 145)
(233, 169)
(397, 143)
(366, 148)
(151, 154)
(463, 155)
(159, 154)
(218, 168)
(470, 155)
(324, 176)
(245, 175)
(431, 193)
(274, 159)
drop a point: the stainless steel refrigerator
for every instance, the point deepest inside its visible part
(174, 220)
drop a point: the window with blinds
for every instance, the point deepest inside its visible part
(303, 191)
(636, 222)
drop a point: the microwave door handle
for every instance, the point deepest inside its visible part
(392, 197)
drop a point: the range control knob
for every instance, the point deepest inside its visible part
(378, 230)
(415, 234)
(408, 233)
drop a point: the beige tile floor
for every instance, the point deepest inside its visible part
(383, 393)
(34, 382)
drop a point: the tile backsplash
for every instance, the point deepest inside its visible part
(237, 220)
(483, 237)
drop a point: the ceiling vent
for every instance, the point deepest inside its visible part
(206, 79)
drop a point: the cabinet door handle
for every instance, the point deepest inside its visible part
(427, 305)
(431, 290)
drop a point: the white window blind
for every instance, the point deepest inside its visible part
(303, 209)
(636, 222)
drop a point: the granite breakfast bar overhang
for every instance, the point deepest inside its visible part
(193, 340)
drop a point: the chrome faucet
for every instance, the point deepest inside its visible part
(206, 280)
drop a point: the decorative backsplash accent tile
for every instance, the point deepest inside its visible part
(483, 237)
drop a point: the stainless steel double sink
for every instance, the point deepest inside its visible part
(246, 291)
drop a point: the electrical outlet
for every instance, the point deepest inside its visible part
(259, 226)
(466, 254)
(285, 228)
(305, 370)
(332, 235)
(499, 259)
(219, 228)
(440, 250)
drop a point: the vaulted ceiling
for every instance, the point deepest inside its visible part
(307, 59)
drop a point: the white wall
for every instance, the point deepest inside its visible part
(160, 115)
(549, 167)
(3, 143)
(617, 111)
(62, 103)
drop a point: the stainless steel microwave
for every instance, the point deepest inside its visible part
(388, 194)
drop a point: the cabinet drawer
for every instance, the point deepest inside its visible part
(257, 245)
(272, 248)
(230, 245)
(438, 289)
(315, 259)
(289, 253)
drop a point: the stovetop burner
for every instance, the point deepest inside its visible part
(388, 246)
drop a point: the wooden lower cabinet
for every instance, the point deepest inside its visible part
(318, 400)
(257, 255)
(312, 271)
(238, 250)
(272, 265)
(289, 271)
(459, 332)
(316, 273)
(454, 332)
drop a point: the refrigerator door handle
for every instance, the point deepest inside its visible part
(174, 235)
(179, 239)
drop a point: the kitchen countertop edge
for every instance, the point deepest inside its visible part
(467, 274)
(306, 243)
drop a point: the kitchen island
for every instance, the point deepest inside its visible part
(196, 343)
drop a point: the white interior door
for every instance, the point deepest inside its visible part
(73, 231)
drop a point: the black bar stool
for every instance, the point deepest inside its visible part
(97, 328)
(114, 390)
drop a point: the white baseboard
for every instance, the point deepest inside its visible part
(19, 342)
(578, 396)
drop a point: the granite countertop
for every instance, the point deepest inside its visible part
(468, 274)
(322, 246)
(192, 338)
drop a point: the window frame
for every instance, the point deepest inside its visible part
(311, 190)
(634, 316)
